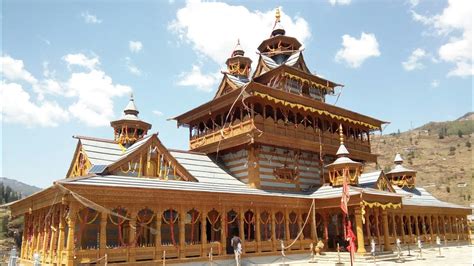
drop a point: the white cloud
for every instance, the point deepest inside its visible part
(157, 113)
(89, 18)
(14, 70)
(81, 60)
(195, 78)
(435, 83)
(414, 3)
(413, 61)
(94, 91)
(212, 28)
(339, 2)
(91, 91)
(356, 51)
(455, 25)
(17, 107)
(135, 46)
(133, 69)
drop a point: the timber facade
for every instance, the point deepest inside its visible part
(267, 160)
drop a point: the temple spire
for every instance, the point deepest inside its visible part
(342, 151)
(277, 27)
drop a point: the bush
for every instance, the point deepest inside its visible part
(468, 144)
(460, 133)
(452, 150)
(448, 189)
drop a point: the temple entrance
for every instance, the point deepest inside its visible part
(232, 229)
(335, 232)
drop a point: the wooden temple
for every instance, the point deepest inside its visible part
(267, 157)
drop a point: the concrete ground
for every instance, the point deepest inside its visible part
(452, 256)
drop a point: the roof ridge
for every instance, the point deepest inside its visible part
(184, 151)
(94, 138)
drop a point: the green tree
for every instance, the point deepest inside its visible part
(460, 133)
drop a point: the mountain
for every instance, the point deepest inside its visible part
(441, 153)
(18, 186)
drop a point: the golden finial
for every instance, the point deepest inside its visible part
(341, 134)
(277, 14)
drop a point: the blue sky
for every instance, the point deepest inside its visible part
(68, 67)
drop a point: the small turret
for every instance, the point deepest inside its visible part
(129, 128)
(343, 166)
(401, 176)
(238, 64)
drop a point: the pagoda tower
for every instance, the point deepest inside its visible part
(272, 128)
(129, 128)
(401, 176)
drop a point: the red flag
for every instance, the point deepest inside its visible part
(351, 238)
(345, 193)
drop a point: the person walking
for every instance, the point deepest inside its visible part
(236, 244)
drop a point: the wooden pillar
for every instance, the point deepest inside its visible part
(203, 232)
(103, 233)
(73, 208)
(287, 224)
(410, 229)
(386, 241)
(402, 224)
(182, 232)
(394, 227)
(158, 251)
(54, 233)
(417, 228)
(430, 222)
(445, 224)
(367, 226)
(359, 230)
(258, 236)
(377, 225)
(44, 240)
(253, 167)
(274, 240)
(314, 230)
(300, 224)
(26, 218)
(223, 231)
(242, 228)
(132, 235)
(325, 223)
(423, 227)
(450, 228)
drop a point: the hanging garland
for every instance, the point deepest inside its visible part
(264, 223)
(171, 223)
(384, 206)
(313, 110)
(213, 222)
(249, 220)
(194, 220)
(278, 223)
(119, 224)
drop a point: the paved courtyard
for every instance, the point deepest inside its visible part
(452, 256)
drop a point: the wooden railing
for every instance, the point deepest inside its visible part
(298, 132)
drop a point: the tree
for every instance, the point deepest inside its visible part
(448, 189)
(468, 144)
(460, 133)
(2, 192)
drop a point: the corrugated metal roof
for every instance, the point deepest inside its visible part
(420, 197)
(154, 183)
(105, 152)
(368, 180)
(100, 152)
(204, 169)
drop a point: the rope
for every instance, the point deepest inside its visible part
(302, 227)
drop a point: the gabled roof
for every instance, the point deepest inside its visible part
(372, 179)
(229, 80)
